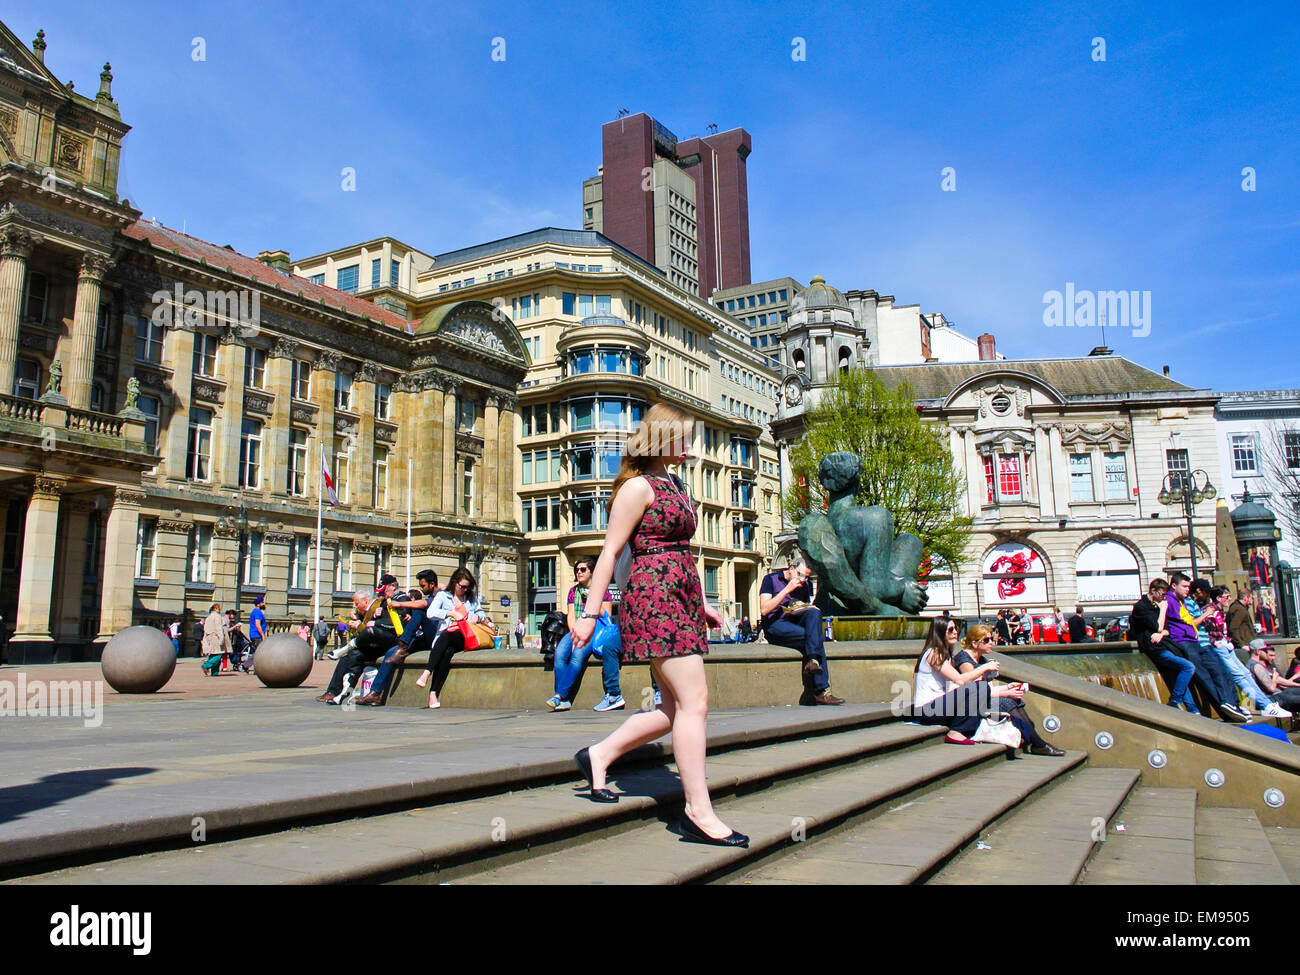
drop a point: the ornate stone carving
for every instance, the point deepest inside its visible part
(94, 266)
(132, 393)
(126, 496)
(174, 527)
(208, 391)
(49, 487)
(385, 434)
(1096, 433)
(475, 333)
(258, 403)
(226, 531)
(18, 242)
(406, 383)
(368, 373)
(469, 443)
(235, 335)
(154, 379)
(328, 361)
(303, 414)
(277, 538)
(284, 348)
(509, 402)
(345, 426)
(1002, 401)
(366, 548)
(431, 380)
(9, 121)
(54, 386)
(424, 362)
(71, 151)
(38, 343)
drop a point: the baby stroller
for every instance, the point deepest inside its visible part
(554, 626)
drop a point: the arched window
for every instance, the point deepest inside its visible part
(846, 359)
(1107, 571)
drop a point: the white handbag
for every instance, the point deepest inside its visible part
(998, 731)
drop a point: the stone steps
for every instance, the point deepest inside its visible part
(1285, 841)
(1157, 844)
(420, 842)
(1232, 848)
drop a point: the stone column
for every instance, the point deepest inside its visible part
(1046, 458)
(224, 563)
(506, 490)
(170, 546)
(322, 394)
(229, 428)
(173, 440)
(275, 571)
(78, 350)
(1060, 469)
(36, 582)
(16, 246)
(491, 463)
(363, 449)
(117, 591)
(74, 525)
(450, 390)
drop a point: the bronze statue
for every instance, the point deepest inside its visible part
(863, 568)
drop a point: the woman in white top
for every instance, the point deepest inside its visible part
(943, 696)
(459, 601)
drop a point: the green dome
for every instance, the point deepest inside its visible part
(820, 295)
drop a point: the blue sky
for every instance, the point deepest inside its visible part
(1122, 174)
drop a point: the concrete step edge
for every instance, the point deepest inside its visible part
(1097, 866)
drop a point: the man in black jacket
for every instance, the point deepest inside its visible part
(1146, 628)
(1078, 626)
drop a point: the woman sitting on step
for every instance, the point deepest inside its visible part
(942, 695)
(979, 639)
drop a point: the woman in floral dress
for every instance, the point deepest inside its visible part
(664, 616)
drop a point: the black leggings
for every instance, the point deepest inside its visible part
(449, 642)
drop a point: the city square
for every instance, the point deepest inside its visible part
(249, 490)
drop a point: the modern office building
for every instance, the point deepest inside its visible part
(682, 205)
(763, 307)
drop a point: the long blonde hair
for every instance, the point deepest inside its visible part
(660, 433)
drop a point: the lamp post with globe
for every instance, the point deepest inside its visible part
(1188, 488)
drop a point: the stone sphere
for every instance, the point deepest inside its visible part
(282, 660)
(139, 660)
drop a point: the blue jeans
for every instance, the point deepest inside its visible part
(176, 643)
(1177, 672)
(1211, 676)
(570, 664)
(1241, 676)
(805, 634)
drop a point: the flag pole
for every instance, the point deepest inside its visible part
(409, 465)
(320, 491)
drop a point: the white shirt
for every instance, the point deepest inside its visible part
(930, 684)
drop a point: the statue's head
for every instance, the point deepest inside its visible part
(839, 471)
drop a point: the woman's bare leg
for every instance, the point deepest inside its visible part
(683, 678)
(639, 729)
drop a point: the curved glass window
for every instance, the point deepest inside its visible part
(596, 461)
(610, 359)
(589, 511)
(604, 413)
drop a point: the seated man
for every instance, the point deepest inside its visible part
(1263, 666)
(1147, 628)
(1215, 600)
(375, 637)
(1182, 620)
(801, 631)
(415, 636)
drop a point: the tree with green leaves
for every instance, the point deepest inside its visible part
(906, 464)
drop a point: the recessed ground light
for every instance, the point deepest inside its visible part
(1274, 798)
(1051, 724)
(1104, 739)
(1157, 759)
(1214, 778)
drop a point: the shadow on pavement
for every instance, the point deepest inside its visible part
(19, 800)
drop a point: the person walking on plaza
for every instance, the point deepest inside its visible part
(800, 630)
(664, 616)
(520, 630)
(256, 632)
(174, 633)
(216, 640)
(321, 634)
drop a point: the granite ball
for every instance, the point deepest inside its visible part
(139, 660)
(282, 660)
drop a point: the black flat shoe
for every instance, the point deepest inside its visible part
(693, 834)
(582, 759)
(1046, 749)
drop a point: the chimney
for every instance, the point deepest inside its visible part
(1166, 372)
(988, 348)
(276, 259)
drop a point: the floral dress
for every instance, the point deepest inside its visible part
(663, 603)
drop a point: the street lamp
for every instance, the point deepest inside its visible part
(1188, 488)
(236, 517)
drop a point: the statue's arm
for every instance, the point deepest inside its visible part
(822, 547)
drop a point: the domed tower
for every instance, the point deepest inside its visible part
(822, 337)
